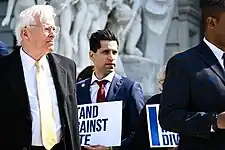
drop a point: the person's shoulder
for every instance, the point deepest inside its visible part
(127, 81)
(186, 58)
(65, 62)
(187, 54)
(83, 82)
(5, 60)
(63, 58)
(155, 99)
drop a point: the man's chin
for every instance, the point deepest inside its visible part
(50, 48)
(109, 70)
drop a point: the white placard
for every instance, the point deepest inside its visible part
(157, 136)
(100, 123)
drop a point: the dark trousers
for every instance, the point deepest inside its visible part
(59, 146)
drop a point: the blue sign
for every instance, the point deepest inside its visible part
(157, 136)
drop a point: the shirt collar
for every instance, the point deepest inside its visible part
(109, 77)
(29, 62)
(217, 52)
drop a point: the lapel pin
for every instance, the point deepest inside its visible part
(82, 85)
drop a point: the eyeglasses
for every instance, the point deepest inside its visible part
(48, 29)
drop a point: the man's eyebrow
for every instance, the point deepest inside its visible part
(108, 49)
(102, 50)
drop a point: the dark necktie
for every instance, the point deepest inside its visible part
(101, 91)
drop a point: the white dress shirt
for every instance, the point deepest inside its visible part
(94, 86)
(29, 70)
(216, 51)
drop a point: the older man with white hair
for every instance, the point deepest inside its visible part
(38, 108)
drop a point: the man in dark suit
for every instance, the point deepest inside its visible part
(103, 53)
(193, 97)
(38, 108)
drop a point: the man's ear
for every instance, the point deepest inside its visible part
(211, 22)
(91, 55)
(24, 33)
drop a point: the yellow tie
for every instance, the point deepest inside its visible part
(48, 126)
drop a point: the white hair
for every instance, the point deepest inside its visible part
(27, 17)
(161, 77)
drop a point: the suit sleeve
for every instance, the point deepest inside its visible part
(75, 111)
(136, 104)
(138, 96)
(176, 96)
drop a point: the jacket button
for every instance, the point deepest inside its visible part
(28, 117)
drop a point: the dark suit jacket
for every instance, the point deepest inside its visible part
(141, 137)
(194, 90)
(15, 115)
(124, 89)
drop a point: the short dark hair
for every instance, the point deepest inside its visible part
(211, 8)
(101, 35)
(212, 4)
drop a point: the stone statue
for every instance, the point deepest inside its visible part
(15, 7)
(95, 18)
(126, 24)
(79, 15)
(118, 20)
(133, 30)
(157, 17)
(41, 2)
(92, 12)
(63, 9)
(105, 7)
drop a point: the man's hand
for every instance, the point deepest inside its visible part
(221, 121)
(96, 147)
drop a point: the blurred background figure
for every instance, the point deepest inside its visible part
(3, 49)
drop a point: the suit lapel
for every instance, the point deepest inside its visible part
(114, 87)
(17, 83)
(59, 75)
(85, 94)
(210, 59)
